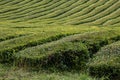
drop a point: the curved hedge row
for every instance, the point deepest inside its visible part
(106, 62)
(69, 48)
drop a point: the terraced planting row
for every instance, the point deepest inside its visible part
(72, 12)
(106, 61)
(20, 43)
(60, 50)
(71, 46)
(59, 39)
(35, 36)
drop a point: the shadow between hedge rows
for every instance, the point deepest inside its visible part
(6, 55)
(72, 52)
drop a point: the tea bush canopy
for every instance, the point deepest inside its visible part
(59, 39)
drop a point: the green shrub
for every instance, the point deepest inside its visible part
(106, 62)
(54, 52)
(62, 56)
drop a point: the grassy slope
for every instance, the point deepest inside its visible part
(89, 12)
(37, 30)
(39, 27)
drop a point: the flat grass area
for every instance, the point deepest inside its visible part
(14, 73)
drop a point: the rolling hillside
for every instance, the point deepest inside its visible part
(59, 39)
(73, 12)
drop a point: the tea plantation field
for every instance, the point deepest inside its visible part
(59, 39)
